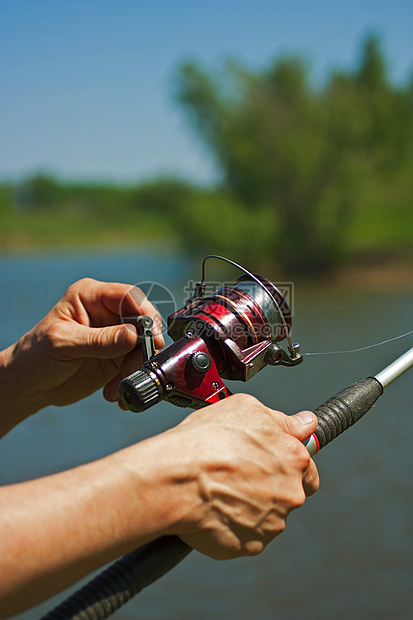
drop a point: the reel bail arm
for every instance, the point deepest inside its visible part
(277, 356)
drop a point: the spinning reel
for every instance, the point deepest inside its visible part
(231, 334)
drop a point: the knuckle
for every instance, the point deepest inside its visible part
(81, 284)
(252, 548)
(52, 337)
(299, 498)
(86, 281)
(137, 295)
(299, 454)
(296, 499)
(246, 400)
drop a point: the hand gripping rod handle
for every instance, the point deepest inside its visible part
(115, 586)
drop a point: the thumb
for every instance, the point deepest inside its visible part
(104, 342)
(302, 424)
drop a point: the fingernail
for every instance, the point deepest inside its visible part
(305, 417)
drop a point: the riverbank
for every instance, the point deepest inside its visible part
(388, 275)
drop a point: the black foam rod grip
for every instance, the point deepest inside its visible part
(344, 409)
(116, 585)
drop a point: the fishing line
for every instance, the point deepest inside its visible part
(369, 346)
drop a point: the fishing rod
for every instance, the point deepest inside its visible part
(232, 333)
(344, 409)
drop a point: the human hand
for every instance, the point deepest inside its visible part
(224, 480)
(250, 470)
(78, 347)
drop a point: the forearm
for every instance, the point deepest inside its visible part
(57, 529)
(17, 401)
(224, 480)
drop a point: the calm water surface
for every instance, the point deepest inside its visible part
(348, 553)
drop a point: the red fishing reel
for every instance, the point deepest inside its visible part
(230, 334)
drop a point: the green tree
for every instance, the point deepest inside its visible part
(299, 155)
(39, 192)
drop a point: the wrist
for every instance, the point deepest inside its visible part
(163, 492)
(17, 400)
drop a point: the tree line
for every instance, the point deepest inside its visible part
(311, 176)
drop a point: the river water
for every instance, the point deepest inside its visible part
(348, 553)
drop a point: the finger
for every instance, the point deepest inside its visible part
(134, 302)
(301, 425)
(311, 480)
(94, 303)
(100, 342)
(111, 390)
(131, 362)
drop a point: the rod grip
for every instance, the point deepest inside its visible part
(122, 580)
(341, 411)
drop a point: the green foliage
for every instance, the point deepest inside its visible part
(42, 211)
(309, 160)
(161, 197)
(311, 177)
(215, 222)
(41, 191)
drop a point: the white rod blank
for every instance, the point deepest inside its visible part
(395, 369)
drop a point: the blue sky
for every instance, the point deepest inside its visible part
(86, 85)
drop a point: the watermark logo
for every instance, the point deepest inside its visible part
(158, 295)
(164, 303)
(285, 288)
